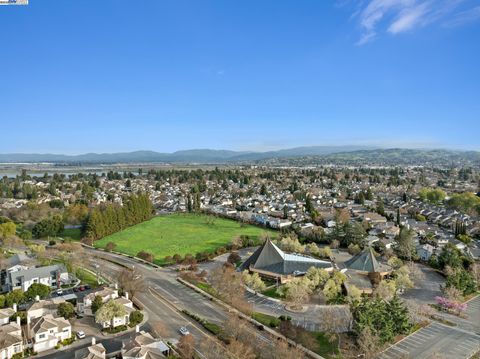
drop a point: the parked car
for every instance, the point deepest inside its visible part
(80, 334)
(81, 288)
(59, 292)
(76, 289)
(184, 331)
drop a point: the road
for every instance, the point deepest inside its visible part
(165, 296)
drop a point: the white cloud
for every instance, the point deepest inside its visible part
(399, 16)
(464, 17)
(408, 19)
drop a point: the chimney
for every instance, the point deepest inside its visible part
(137, 328)
(37, 298)
(19, 321)
(94, 341)
(14, 307)
(126, 295)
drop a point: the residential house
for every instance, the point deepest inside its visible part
(84, 305)
(47, 331)
(40, 308)
(53, 276)
(11, 341)
(94, 351)
(425, 251)
(122, 320)
(6, 313)
(144, 346)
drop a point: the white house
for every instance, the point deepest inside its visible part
(11, 341)
(122, 320)
(39, 308)
(84, 306)
(6, 313)
(47, 331)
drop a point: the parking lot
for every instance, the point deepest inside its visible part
(435, 341)
(313, 319)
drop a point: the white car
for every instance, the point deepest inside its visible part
(59, 291)
(80, 334)
(184, 331)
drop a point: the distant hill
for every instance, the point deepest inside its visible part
(391, 156)
(194, 155)
(296, 156)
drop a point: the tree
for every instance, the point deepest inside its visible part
(7, 229)
(253, 281)
(234, 258)
(131, 281)
(290, 243)
(136, 317)
(450, 256)
(398, 315)
(110, 310)
(97, 302)
(308, 204)
(281, 350)
(380, 207)
(15, 296)
(297, 291)
(331, 290)
(380, 317)
(368, 343)
(238, 349)
(402, 279)
(317, 276)
(227, 282)
(405, 246)
(186, 346)
(35, 289)
(146, 256)
(110, 246)
(66, 310)
(354, 293)
(385, 290)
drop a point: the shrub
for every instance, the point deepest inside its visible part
(110, 246)
(145, 256)
(234, 258)
(136, 317)
(66, 310)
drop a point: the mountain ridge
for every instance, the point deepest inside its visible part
(228, 156)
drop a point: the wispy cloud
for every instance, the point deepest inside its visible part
(464, 17)
(399, 16)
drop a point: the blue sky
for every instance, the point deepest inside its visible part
(121, 75)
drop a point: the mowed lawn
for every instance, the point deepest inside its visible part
(179, 234)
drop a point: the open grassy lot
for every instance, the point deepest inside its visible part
(72, 233)
(179, 234)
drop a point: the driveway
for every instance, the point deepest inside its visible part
(427, 288)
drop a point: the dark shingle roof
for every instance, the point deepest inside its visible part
(272, 259)
(366, 261)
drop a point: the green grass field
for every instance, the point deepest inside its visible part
(178, 234)
(73, 233)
